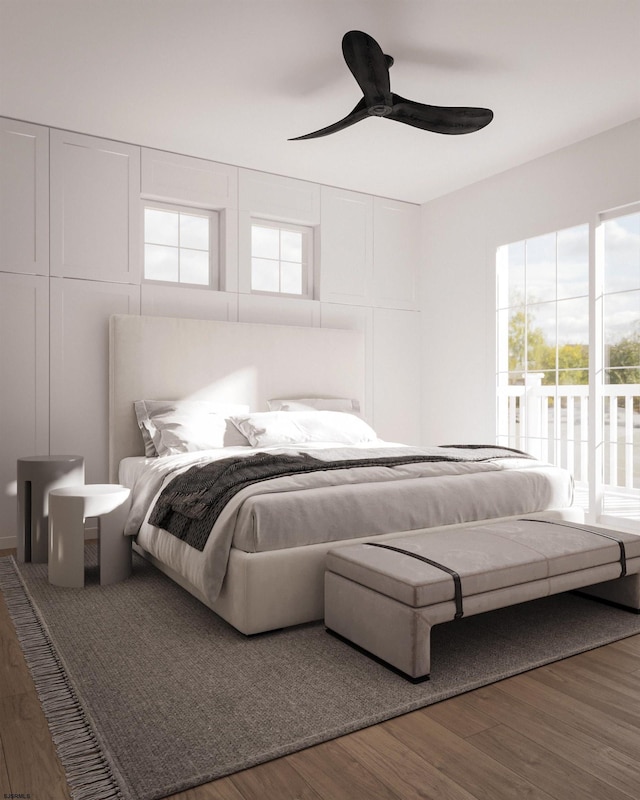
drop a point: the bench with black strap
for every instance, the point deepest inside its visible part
(597, 532)
(457, 583)
(386, 596)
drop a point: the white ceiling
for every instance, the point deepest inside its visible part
(231, 80)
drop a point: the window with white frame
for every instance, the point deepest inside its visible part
(543, 308)
(621, 297)
(281, 258)
(180, 245)
(619, 293)
(568, 377)
(544, 346)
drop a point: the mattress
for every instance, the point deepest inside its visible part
(332, 506)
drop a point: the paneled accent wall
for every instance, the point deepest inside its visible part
(79, 378)
(24, 197)
(396, 246)
(71, 255)
(193, 181)
(24, 385)
(167, 301)
(95, 209)
(346, 244)
(396, 351)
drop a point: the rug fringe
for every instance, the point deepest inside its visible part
(87, 771)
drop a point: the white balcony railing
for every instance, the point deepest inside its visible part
(552, 423)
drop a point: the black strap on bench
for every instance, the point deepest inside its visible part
(456, 578)
(587, 529)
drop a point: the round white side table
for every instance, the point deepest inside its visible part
(37, 476)
(69, 506)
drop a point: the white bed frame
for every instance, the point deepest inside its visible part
(162, 358)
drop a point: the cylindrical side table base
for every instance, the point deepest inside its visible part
(69, 507)
(37, 476)
(66, 541)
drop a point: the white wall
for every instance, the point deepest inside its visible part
(71, 210)
(461, 232)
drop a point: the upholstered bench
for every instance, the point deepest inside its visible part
(386, 596)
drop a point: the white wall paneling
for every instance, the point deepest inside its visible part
(346, 246)
(24, 197)
(244, 251)
(278, 310)
(178, 301)
(24, 389)
(80, 312)
(277, 197)
(192, 181)
(354, 318)
(396, 375)
(229, 250)
(396, 253)
(95, 208)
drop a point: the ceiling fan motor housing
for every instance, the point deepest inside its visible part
(380, 110)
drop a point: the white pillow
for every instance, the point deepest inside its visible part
(183, 426)
(268, 428)
(345, 404)
(145, 428)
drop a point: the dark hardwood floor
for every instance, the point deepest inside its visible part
(570, 730)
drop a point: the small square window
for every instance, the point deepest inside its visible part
(281, 259)
(179, 245)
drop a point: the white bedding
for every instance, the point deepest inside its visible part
(302, 509)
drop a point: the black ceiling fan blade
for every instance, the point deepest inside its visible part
(439, 119)
(358, 113)
(369, 66)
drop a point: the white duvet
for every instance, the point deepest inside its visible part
(334, 505)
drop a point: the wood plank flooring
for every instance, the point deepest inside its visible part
(567, 731)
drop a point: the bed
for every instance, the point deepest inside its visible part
(263, 569)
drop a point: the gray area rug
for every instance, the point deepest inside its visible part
(147, 692)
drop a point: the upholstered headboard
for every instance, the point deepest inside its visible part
(163, 358)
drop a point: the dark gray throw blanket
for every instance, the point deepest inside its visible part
(191, 503)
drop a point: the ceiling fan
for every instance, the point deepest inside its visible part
(370, 67)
